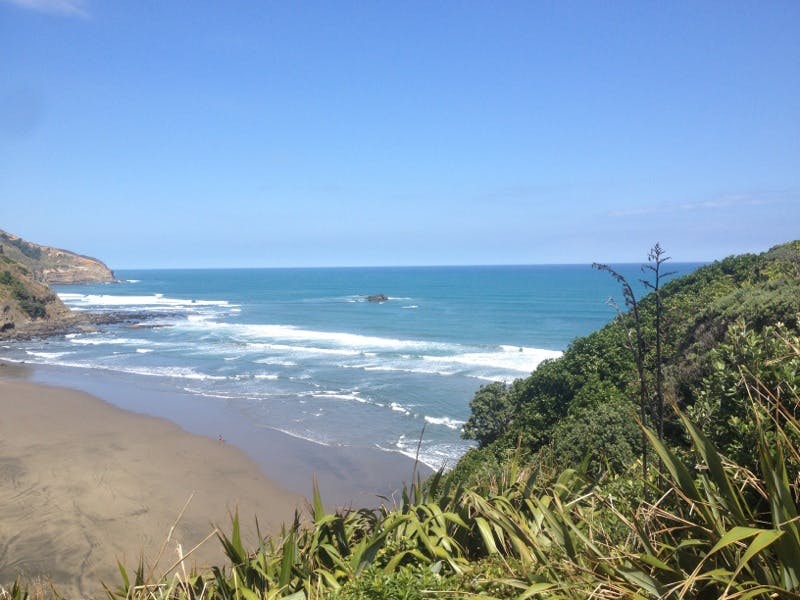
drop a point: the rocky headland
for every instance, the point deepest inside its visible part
(53, 265)
(28, 307)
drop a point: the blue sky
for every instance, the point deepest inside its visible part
(192, 134)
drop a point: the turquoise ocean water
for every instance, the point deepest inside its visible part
(302, 351)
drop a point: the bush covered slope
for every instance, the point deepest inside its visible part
(23, 300)
(584, 404)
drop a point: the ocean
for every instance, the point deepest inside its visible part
(304, 352)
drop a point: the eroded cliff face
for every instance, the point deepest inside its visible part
(53, 265)
(25, 304)
(68, 268)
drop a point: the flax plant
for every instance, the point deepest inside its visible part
(717, 530)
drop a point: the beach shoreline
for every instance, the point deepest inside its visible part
(347, 476)
(87, 482)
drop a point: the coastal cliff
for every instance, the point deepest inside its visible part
(52, 265)
(26, 303)
(28, 307)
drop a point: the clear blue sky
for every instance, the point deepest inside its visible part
(190, 134)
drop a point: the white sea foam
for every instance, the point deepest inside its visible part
(409, 369)
(274, 361)
(65, 297)
(271, 376)
(47, 355)
(321, 340)
(144, 350)
(133, 281)
(399, 408)
(173, 372)
(442, 455)
(101, 341)
(446, 421)
(306, 437)
(299, 350)
(511, 358)
(207, 394)
(151, 302)
(410, 307)
(338, 396)
(445, 359)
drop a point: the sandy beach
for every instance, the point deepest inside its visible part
(346, 475)
(84, 483)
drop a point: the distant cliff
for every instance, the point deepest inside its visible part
(52, 265)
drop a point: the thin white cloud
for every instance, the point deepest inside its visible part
(726, 202)
(61, 8)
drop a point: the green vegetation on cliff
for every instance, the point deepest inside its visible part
(23, 300)
(583, 406)
(33, 306)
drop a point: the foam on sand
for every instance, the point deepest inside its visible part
(47, 355)
(438, 455)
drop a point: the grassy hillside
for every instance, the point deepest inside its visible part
(53, 265)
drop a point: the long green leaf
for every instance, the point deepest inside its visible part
(763, 540)
(288, 558)
(319, 510)
(708, 453)
(784, 510)
(736, 534)
(486, 535)
(536, 588)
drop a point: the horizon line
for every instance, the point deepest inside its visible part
(398, 266)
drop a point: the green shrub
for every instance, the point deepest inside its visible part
(602, 438)
(33, 306)
(407, 583)
(27, 249)
(724, 409)
(491, 413)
